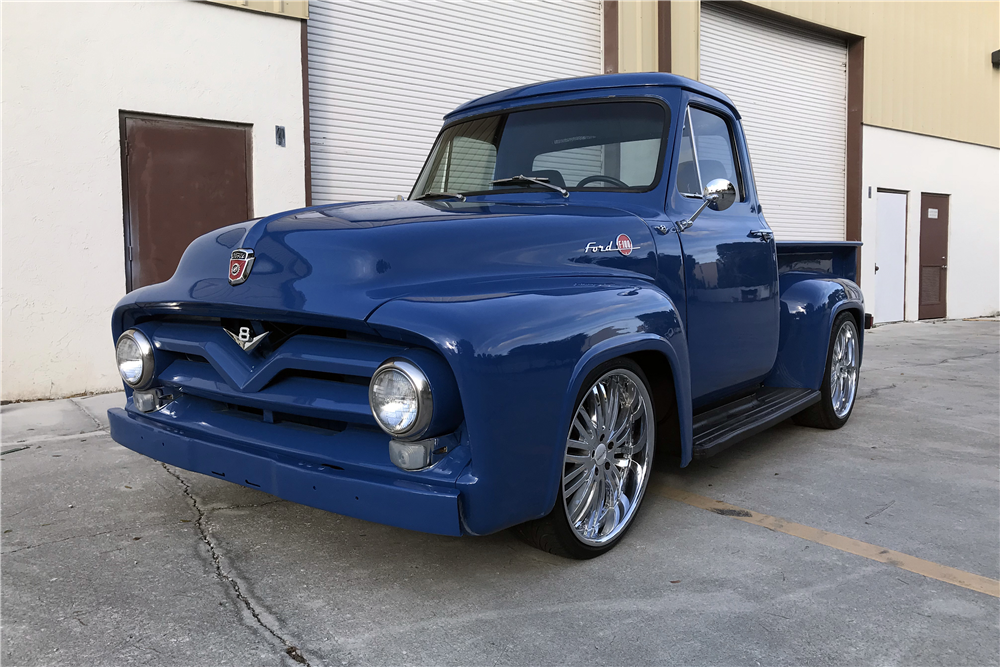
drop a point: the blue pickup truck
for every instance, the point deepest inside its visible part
(582, 280)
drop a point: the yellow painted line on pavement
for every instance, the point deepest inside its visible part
(950, 575)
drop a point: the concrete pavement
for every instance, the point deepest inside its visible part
(110, 558)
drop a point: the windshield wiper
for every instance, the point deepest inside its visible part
(528, 180)
(442, 195)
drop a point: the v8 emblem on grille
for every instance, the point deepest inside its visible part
(245, 339)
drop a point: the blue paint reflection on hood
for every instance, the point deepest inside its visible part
(345, 260)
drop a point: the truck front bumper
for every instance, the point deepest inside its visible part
(347, 473)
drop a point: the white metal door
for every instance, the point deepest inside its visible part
(382, 74)
(890, 256)
(790, 86)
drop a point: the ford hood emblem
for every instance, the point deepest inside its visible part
(240, 263)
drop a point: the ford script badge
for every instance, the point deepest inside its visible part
(240, 264)
(622, 244)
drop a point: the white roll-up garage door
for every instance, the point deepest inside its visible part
(790, 86)
(382, 74)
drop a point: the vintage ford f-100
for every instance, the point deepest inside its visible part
(582, 277)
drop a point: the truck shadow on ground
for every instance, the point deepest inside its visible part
(251, 522)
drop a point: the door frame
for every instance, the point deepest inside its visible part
(920, 249)
(123, 117)
(906, 239)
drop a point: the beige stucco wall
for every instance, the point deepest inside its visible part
(68, 68)
(685, 29)
(637, 36)
(927, 64)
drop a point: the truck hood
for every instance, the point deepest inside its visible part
(343, 261)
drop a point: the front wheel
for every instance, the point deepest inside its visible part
(840, 382)
(607, 461)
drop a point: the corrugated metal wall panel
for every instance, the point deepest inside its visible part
(791, 88)
(381, 76)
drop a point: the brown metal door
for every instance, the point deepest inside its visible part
(183, 178)
(933, 256)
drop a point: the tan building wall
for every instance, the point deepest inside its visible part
(685, 29)
(296, 9)
(638, 37)
(927, 64)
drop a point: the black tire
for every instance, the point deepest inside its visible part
(554, 533)
(824, 414)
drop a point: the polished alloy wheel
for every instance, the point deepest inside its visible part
(609, 452)
(844, 370)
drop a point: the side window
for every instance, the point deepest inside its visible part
(706, 153)
(688, 181)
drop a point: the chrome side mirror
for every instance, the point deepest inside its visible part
(720, 194)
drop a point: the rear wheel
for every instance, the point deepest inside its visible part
(840, 382)
(607, 461)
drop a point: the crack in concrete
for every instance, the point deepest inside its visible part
(239, 507)
(64, 539)
(42, 439)
(11, 516)
(874, 391)
(131, 531)
(291, 650)
(91, 417)
(879, 511)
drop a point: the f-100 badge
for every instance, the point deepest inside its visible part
(622, 244)
(240, 264)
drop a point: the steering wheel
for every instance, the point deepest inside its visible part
(600, 177)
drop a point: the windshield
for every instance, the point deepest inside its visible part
(612, 146)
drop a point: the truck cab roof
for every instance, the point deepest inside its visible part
(592, 83)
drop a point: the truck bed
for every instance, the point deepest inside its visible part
(834, 258)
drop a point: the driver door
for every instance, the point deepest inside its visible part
(729, 261)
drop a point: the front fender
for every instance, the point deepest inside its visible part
(809, 305)
(519, 357)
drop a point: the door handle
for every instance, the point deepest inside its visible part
(762, 234)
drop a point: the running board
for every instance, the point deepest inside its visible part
(724, 426)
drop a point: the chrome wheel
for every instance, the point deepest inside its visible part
(609, 452)
(844, 370)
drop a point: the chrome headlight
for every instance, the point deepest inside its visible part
(400, 399)
(135, 358)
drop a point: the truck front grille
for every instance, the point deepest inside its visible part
(308, 377)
